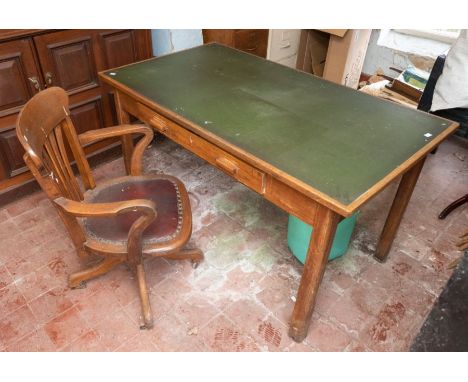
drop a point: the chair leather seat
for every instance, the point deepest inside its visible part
(164, 190)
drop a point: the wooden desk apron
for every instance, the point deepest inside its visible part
(315, 149)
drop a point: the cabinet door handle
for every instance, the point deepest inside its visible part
(48, 77)
(35, 83)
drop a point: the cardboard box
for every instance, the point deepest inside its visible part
(312, 52)
(334, 54)
(335, 32)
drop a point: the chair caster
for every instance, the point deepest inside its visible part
(81, 285)
(146, 326)
(195, 264)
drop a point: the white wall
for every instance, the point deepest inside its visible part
(172, 40)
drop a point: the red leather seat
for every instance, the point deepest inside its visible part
(163, 190)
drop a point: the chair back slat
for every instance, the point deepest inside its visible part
(70, 176)
(51, 163)
(46, 132)
(64, 157)
(60, 156)
(78, 153)
(53, 178)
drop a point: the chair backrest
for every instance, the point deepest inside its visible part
(46, 131)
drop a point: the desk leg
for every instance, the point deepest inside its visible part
(127, 143)
(402, 197)
(314, 267)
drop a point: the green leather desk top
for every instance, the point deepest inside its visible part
(335, 139)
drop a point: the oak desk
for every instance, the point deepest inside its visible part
(313, 148)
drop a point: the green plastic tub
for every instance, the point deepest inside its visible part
(299, 234)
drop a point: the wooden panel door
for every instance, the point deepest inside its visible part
(118, 48)
(68, 59)
(71, 59)
(20, 79)
(18, 75)
(122, 47)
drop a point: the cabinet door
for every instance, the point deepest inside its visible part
(122, 47)
(68, 59)
(71, 59)
(18, 71)
(118, 48)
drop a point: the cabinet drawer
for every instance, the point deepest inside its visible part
(12, 153)
(238, 169)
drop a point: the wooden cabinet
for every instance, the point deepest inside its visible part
(33, 60)
(253, 41)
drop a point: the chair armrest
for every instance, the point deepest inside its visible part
(81, 209)
(118, 131)
(146, 207)
(113, 131)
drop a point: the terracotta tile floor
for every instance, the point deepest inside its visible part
(240, 297)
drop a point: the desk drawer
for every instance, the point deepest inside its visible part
(231, 165)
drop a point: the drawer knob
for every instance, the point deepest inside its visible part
(227, 165)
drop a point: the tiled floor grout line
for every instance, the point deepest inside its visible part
(14, 310)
